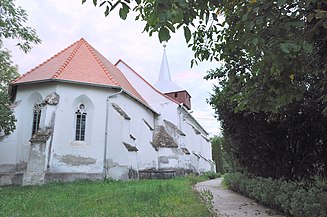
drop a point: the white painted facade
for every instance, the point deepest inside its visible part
(195, 139)
(119, 135)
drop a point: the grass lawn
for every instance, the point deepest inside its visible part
(173, 197)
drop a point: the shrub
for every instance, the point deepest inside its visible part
(212, 175)
(286, 196)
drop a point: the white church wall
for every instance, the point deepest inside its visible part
(170, 111)
(196, 143)
(147, 155)
(14, 148)
(169, 158)
(117, 157)
(70, 156)
(132, 133)
(67, 154)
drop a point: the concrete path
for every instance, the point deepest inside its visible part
(227, 203)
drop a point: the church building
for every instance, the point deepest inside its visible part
(81, 117)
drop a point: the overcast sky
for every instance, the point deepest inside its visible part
(60, 23)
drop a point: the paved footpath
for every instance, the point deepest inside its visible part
(227, 203)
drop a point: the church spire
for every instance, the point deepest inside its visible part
(165, 83)
(164, 74)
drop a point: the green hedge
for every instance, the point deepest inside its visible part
(212, 175)
(288, 197)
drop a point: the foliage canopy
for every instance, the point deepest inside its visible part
(12, 26)
(271, 97)
(261, 45)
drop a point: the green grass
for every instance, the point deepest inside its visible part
(173, 197)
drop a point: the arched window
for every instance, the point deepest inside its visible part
(80, 122)
(37, 110)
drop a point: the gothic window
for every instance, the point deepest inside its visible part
(37, 110)
(80, 122)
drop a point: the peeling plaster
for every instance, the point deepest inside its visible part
(21, 166)
(41, 136)
(7, 168)
(120, 111)
(163, 139)
(77, 160)
(116, 171)
(165, 159)
(5, 180)
(130, 147)
(174, 128)
(52, 99)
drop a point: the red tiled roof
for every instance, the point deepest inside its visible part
(79, 62)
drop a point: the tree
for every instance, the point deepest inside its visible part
(290, 145)
(12, 26)
(217, 153)
(8, 73)
(262, 45)
(271, 96)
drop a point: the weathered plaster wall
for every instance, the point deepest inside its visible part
(170, 110)
(134, 132)
(14, 149)
(67, 156)
(75, 157)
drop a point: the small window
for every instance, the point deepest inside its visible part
(176, 95)
(80, 122)
(37, 110)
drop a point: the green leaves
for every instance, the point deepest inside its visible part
(13, 25)
(320, 14)
(307, 47)
(187, 34)
(255, 41)
(281, 2)
(8, 73)
(289, 47)
(164, 17)
(123, 11)
(7, 118)
(164, 34)
(325, 24)
(259, 43)
(285, 48)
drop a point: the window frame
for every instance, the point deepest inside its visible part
(80, 123)
(37, 112)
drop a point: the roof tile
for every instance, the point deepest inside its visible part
(79, 62)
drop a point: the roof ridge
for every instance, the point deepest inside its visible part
(46, 61)
(91, 49)
(70, 57)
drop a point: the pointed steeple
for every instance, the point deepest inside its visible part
(165, 83)
(164, 74)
